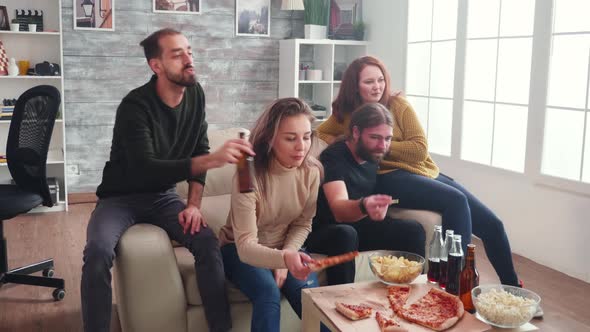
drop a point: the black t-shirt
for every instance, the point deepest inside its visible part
(340, 165)
(153, 143)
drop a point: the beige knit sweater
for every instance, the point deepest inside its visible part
(261, 230)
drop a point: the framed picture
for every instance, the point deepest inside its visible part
(253, 18)
(177, 6)
(4, 23)
(345, 19)
(97, 15)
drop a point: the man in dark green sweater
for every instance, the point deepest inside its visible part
(159, 139)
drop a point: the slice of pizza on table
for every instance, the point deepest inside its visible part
(387, 324)
(436, 310)
(397, 296)
(354, 311)
(320, 264)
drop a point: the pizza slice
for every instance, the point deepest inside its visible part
(388, 324)
(437, 310)
(354, 311)
(397, 296)
(320, 264)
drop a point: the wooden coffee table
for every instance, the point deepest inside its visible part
(318, 306)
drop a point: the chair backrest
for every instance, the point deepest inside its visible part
(28, 139)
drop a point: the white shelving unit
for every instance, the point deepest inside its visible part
(330, 56)
(37, 47)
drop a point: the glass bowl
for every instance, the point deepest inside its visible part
(504, 306)
(394, 267)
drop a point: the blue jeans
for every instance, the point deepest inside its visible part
(460, 210)
(258, 284)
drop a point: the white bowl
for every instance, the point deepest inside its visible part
(504, 306)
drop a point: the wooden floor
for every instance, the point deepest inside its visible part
(565, 300)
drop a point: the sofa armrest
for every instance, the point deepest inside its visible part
(148, 286)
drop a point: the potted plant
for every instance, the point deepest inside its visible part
(316, 18)
(358, 29)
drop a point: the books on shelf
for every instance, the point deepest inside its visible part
(6, 112)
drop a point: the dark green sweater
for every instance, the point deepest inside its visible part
(153, 143)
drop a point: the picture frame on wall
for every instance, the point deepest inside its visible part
(97, 15)
(177, 6)
(345, 19)
(253, 18)
(4, 23)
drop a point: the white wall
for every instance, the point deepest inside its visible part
(546, 224)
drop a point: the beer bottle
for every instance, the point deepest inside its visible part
(434, 255)
(444, 255)
(454, 266)
(469, 279)
(245, 171)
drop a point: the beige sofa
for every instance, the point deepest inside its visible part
(155, 284)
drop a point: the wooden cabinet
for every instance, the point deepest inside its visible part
(325, 60)
(37, 47)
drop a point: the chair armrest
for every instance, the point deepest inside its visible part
(148, 286)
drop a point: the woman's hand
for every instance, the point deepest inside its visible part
(296, 263)
(377, 206)
(280, 276)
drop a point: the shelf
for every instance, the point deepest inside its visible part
(60, 206)
(44, 33)
(31, 77)
(8, 121)
(314, 82)
(54, 157)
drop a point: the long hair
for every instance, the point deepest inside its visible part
(348, 98)
(369, 115)
(265, 132)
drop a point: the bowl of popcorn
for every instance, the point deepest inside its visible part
(396, 267)
(504, 306)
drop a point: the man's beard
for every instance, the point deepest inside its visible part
(181, 79)
(365, 154)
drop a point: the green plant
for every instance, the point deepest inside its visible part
(358, 29)
(316, 12)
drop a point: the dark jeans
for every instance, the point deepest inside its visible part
(389, 234)
(259, 285)
(461, 212)
(110, 219)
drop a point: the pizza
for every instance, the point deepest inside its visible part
(397, 296)
(437, 310)
(388, 324)
(320, 264)
(354, 311)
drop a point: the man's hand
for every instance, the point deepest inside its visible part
(295, 262)
(280, 276)
(377, 206)
(191, 219)
(230, 152)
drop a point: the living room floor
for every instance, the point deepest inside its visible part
(62, 235)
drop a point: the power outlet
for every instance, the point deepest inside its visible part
(73, 169)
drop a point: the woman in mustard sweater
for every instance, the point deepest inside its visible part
(265, 229)
(409, 174)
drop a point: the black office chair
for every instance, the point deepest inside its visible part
(26, 153)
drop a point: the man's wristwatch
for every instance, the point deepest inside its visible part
(362, 205)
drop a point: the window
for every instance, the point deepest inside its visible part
(430, 68)
(566, 141)
(497, 79)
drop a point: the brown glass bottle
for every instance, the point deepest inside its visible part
(245, 171)
(469, 279)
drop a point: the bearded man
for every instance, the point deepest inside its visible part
(159, 139)
(350, 216)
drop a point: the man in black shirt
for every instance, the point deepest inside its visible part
(350, 216)
(159, 139)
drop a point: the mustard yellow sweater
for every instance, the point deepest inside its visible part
(409, 147)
